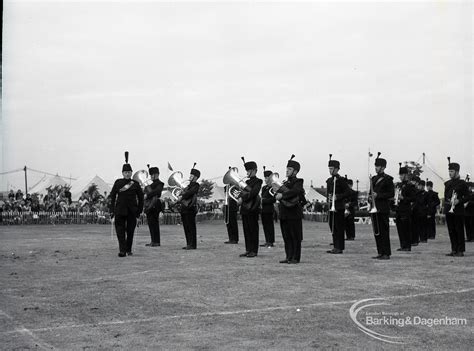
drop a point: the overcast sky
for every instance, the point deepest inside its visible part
(210, 82)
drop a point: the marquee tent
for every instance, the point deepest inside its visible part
(46, 182)
(82, 184)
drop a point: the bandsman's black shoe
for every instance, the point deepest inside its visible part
(284, 261)
(459, 254)
(384, 257)
(400, 249)
(451, 254)
(264, 245)
(130, 253)
(377, 257)
(293, 262)
(121, 254)
(251, 254)
(244, 254)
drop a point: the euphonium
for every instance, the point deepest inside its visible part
(333, 198)
(142, 178)
(233, 179)
(276, 183)
(177, 183)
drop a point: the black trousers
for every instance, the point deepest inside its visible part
(268, 227)
(456, 232)
(469, 224)
(336, 224)
(349, 227)
(415, 234)
(232, 227)
(381, 226)
(431, 226)
(250, 224)
(125, 228)
(292, 232)
(189, 225)
(404, 233)
(420, 227)
(154, 226)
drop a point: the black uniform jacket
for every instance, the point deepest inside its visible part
(153, 194)
(289, 207)
(469, 206)
(267, 200)
(462, 192)
(407, 198)
(433, 202)
(189, 198)
(352, 200)
(129, 200)
(343, 192)
(382, 184)
(420, 205)
(250, 196)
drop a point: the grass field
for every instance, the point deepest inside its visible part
(63, 287)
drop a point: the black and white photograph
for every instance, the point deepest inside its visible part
(236, 175)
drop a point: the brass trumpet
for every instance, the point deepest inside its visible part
(398, 191)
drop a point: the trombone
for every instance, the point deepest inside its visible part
(373, 207)
(333, 197)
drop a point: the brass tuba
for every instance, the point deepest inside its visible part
(236, 183)
(177, 183)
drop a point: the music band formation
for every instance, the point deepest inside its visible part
(414, 207)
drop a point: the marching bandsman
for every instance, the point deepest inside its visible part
(382, 190)
(404, 197)
(230, 217)
(188, 209)
(420, 212)
(469, 214)
(455, 195)
(126, 205)
(290, 196)
(268, 210)
(153, 205)
(432, 199)
(249, 201)
(338, 192)
(349, 212)
(415, 235)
